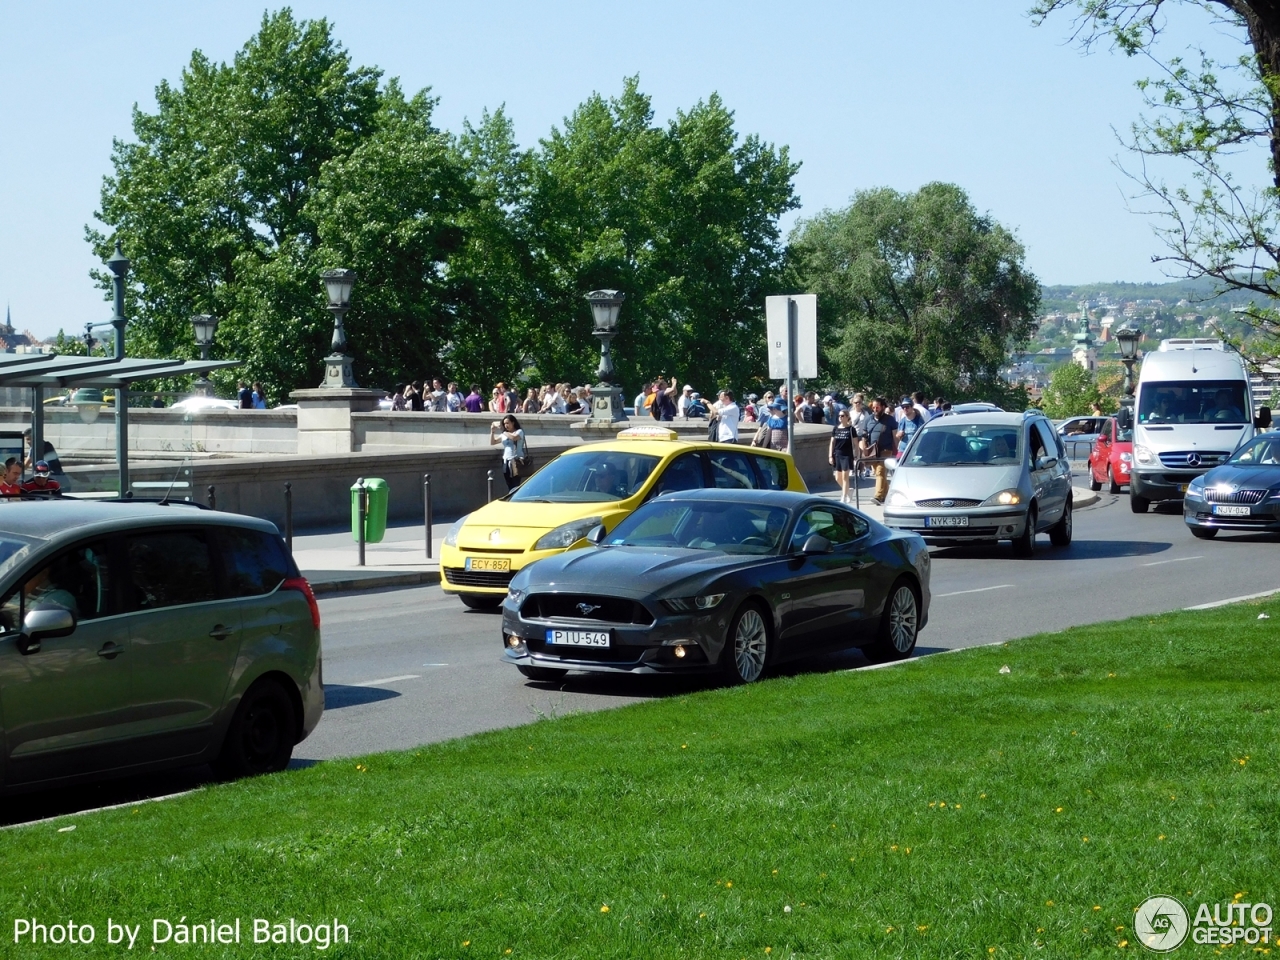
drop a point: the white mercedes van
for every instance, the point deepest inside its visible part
(1193, 408)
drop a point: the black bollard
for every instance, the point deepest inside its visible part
(490, 496)
(426, 509)
(213, 498)
(288, 514)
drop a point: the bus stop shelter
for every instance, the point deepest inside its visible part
(42, 371)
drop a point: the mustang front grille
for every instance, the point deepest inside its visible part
(573, 606)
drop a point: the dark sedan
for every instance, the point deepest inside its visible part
(720, 580)
(1241, 494)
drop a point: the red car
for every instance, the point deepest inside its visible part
(1111, 457)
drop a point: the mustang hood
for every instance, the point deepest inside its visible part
(629, 571)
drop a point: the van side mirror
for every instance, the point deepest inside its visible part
(45, 623)
(816, 543)
(595, 536)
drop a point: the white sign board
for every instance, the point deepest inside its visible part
(805, 345)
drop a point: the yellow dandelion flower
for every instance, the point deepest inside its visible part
(1120, 929)
(957, 806)
(466, 943)
(728, 884)
(775, 873)
(605, 908)
(1110, 674)
(982, 796)
(1240, 895)
(768, 949)
(991, 949)
(702, 916)
(1057, 810)
(507, 952)
(1122, 944)
(1161, 837)
(908, 851)
(888, 929)
(922, 927)
(684, 746)
(893, 846)
(1084, 839)
(1048, 903)
(1039, 929)
(1096, 907)
(932, 805)
(942, 805)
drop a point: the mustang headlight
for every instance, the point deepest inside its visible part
(516, 597)
(685, 604)
(1004, 498)
(567, 534)
(451, 538)
(898, 499)
(1143, 454)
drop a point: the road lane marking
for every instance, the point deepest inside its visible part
(956, 593)
(1223, 603)
(386, 680)
(435, 664)
(1156, 563)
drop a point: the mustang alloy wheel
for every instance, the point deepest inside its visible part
(746, 650)
(899, 626)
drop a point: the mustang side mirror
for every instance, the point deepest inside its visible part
(816, 543)
(595, 536)
(45, 622)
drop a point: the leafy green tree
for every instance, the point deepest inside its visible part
(1071, 392)
(917, 291)
(682, 219)
(252, 177)
(1204, 113)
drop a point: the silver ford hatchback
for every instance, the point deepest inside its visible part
(140, 635)
(983, 477)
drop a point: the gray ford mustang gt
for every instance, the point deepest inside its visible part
(720, 580)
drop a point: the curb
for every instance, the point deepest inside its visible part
(1083, 497)
(372, 582)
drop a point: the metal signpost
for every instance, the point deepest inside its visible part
(791, 323)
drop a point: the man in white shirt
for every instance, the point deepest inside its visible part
(729, 414)
(682, 405)
(436, 398)
(453, 399)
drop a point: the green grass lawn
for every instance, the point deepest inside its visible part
(939, 808)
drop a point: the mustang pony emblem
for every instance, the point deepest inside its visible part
(586, 609)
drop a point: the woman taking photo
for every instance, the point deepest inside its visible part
(515, 456)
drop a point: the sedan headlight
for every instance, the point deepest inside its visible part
(1143, 454)
(898, 499)
(451, 538)
(1195, 489)
(684, 604)
(1004, 498)
(567, 534)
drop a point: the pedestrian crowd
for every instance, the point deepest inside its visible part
(437, 397)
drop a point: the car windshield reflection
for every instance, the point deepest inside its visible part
(1262, 452)
(587, 477)
(963, 442)
(738, 528)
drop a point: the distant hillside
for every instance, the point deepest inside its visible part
(1066, 298)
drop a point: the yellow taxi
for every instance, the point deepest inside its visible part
(597, 483)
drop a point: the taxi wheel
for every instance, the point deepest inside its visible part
(480, 601)
(1112, 486)
(544, 674)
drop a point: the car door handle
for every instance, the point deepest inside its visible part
(110, 651)
(862, 564)
(220, 632)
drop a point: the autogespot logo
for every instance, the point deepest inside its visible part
(1161, 923)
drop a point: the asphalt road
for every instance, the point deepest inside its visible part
(413, 666)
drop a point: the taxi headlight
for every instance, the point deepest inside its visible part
(567, 534)
(898, 499)
(451, 538)
(1143, 454)
(1004, 498)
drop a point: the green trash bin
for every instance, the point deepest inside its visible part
(375, 518)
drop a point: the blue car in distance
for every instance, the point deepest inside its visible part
(1242, 494)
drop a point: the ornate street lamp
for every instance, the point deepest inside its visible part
(337, 285)
(1128, 338)
(607, 405)
(204, 327)
(88, 402)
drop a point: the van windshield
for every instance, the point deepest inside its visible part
(1192, 401)
(962, 441)
(583, 477)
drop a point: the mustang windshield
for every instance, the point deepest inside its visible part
(703, 525)
(583, 477)
(959, 440)
(1262, 452)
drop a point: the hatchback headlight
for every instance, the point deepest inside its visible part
(1126, 458)
(451, 538)
(567, 534)
(1005, 498)
(898, 499)
(1143, 454)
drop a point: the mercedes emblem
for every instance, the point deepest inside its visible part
(1193, 459)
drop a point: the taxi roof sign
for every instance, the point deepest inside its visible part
(648, 433)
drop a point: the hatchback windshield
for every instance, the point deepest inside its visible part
(958, 441)
(703, 525)
(1192, 401)
(10, 548)
(581, 477)
(1262, 452)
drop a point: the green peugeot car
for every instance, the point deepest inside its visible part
(135, 636)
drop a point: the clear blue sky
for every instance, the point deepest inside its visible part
(864, 93)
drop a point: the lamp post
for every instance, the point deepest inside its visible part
(88, 402)
(337, 371)
(118, 264)
(204, 327)
(1128, 338)
(606, 403)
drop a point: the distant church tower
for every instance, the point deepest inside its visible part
(7, 329)
(1083, 352)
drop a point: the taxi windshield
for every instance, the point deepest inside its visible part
(1262, 452)
(959, 441)
(585, 477)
